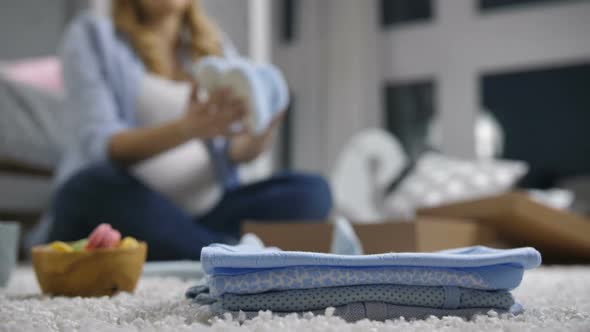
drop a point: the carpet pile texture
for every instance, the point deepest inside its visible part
(555, 298)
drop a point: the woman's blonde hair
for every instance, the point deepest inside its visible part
(203, 36)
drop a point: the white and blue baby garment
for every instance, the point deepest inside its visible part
(262, 86)
(457, 282)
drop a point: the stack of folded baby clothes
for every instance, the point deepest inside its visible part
(462, 282)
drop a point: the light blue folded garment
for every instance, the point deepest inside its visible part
(250, 268)
(224, 259)
(495, 277)
(321, 298)
(379, 311)
(277, 87)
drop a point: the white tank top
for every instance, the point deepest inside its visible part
(184, 174)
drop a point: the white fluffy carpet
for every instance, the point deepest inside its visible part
(556, 298)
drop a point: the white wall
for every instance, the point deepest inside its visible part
(341, 58)
(462, 43)
(332, 70)
(232, 17)
(30, 28)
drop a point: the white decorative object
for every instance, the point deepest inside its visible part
(556, 198)
(365, 168)
(438, 179)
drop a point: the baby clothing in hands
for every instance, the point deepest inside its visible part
(261, 86)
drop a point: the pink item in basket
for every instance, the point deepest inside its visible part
(98, 235)
(112, 239)
(103, 236)
(43, 73)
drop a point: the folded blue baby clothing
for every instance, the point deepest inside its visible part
(249, 277)
(495, 277)
(320, 298)
(249, 268)
(226, 259)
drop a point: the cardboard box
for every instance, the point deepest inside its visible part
(561, 236)
(422, 235)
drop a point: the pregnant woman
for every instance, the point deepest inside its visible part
(147, 156)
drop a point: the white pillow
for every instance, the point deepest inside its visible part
(438, 179)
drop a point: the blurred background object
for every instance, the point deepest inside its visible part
(416, 66)
(469, 78)
(9, 233)
(472, 79)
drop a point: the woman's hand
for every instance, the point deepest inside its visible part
(247, 146)
(201, 120)
(214, 117)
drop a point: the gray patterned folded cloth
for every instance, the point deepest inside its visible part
(321, 298)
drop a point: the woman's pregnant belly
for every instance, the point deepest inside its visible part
(185, 175)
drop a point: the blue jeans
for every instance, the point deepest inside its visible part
(106, 193)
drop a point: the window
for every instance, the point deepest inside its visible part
(491, 4)
(289, 20)
(394, 12)
(409, 112)
(286, 137)
(545, 117)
